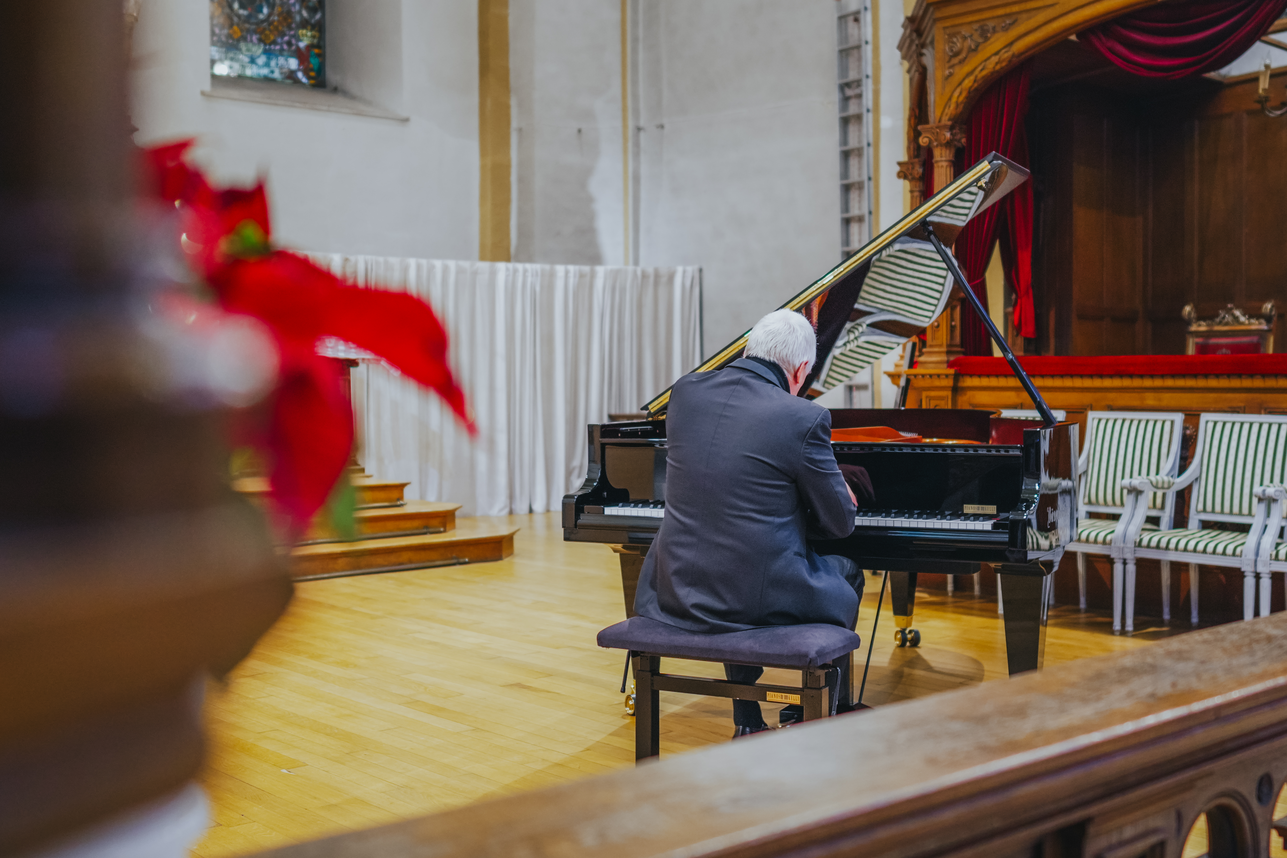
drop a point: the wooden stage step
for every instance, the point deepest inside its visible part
(370, 491)
(472, 541)
(413, 518)
(393, 535)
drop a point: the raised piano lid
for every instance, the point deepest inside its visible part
(948, 211)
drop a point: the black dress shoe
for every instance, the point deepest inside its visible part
(852, 707)
(739, 732)
(792, 713)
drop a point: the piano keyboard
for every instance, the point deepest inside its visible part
(647, 509)
(924, 520)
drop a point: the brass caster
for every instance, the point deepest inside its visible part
(630, 699)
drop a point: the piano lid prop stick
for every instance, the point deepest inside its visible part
(1047, 416)
(909, 360)
(871, 644)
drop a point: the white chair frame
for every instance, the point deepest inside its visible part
(1164, 515)
(1274, 499)
(1136, 513)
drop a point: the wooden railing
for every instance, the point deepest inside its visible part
(1110, 757)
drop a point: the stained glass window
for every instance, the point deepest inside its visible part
(269, 39)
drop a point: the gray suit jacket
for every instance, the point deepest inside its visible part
(749, 471)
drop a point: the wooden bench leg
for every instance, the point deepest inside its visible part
(647, 710)
(815, 697)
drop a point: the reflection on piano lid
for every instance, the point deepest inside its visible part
(896, 285)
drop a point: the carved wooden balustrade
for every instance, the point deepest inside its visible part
(1110, 757)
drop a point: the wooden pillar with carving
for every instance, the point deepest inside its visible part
(943, 337)
(912, 172)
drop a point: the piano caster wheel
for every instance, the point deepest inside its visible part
(900, 638)
(913, 637)
(630, 699)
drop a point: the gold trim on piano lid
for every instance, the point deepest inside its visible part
(980, 171)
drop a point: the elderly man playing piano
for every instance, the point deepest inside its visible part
(750, 478)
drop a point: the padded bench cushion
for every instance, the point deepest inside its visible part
(799, 647)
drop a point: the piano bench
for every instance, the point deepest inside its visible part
(815, 649)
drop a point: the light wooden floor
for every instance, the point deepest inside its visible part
(383, 697)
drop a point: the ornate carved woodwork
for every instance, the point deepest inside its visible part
(965, 44)
(962, 42)
(944, 138)
(1231, 329)
(912, 172)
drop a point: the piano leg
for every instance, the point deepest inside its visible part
(632, 558)
(902, 592)
(1026, 599)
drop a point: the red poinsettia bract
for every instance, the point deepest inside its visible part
(226, 234)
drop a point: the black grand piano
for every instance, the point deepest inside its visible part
(954, 488)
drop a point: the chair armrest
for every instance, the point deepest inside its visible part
(1162, 482)
(1271, 492)
(1151, 483)
(1273, 506)
(1135, 509)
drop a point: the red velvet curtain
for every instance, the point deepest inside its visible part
(997, 125)
(1183, 37)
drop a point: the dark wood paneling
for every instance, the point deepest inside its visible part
(1219, 170)
(1091, 161)
(1149, 202)
(1265, 209)
(1170, 280)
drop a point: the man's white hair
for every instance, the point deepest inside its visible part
(784, 337)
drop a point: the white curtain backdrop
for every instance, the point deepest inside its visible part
(541, 351)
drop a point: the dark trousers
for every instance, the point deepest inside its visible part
(746, 713)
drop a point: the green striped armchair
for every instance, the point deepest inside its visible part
(1235, 455)
(1272, 554)
(1121, 445)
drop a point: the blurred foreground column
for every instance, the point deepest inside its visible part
(128, 571)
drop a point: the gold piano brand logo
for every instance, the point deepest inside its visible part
(779, 697)
(979, 509)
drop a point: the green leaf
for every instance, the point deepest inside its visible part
(341, 508)
(247, 241)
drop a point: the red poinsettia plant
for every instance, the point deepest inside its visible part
(308, 436)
